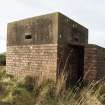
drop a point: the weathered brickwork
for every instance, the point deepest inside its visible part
(94, 62)
(32, 60)
(100, 60)
(90, 63)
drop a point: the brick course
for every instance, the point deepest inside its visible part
(32, 59)
(94, 62)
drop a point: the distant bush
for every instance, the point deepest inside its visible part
(2, 59)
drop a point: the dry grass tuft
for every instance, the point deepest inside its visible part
(32, 91)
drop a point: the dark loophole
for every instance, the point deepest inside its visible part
(28, 36)
(76, 39)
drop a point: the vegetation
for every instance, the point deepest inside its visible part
(2, 59)
(33, 92)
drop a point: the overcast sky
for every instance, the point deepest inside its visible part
(90, 13)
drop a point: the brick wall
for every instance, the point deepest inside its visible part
(38, 60)
(90, 63)
(94, 66)
(100, 63)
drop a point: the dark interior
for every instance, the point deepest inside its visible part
(75, 63)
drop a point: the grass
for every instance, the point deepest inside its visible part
(31, 92)
(3, 59)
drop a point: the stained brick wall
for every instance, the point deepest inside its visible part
(32, 60)
(100, 63)
(94, 67)
(90, 62)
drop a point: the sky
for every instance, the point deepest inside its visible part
(90, 13)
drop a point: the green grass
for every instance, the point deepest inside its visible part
(31, 92)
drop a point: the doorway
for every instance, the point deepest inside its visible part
(74, 63)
